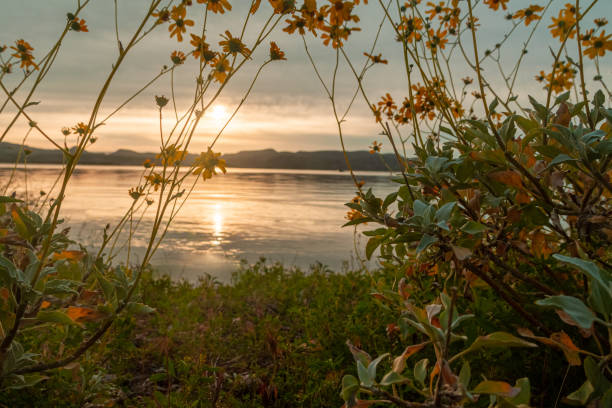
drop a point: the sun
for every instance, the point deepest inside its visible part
(218, 113)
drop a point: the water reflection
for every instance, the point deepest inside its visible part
(289, 216)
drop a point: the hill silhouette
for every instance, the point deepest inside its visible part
(264, 159)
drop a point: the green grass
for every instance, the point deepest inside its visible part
(275, 337)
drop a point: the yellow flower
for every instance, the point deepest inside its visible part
(171, 155)
(217, 6)
(599, 45)
(233, 45)
(494, 4)
(81, 128)
(178, 27)
(375, 147)
(156, 180)
(24, 53)
(221, 69)
(208, 163)
(276, 53)
(376, 59)
(563, 25)
(529, 14)
(202, 50)
(177, 57)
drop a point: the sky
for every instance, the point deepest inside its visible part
(287, 109)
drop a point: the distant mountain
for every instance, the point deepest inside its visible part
(263, 159)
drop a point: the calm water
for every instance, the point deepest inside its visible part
(291, 216)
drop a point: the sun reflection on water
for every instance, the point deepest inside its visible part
(217, 224)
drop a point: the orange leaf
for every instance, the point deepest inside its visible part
(70, 255)
(83, 314)
(45, 304)
(508, 177)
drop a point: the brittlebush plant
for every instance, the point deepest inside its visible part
(51, 289)
(502, 205)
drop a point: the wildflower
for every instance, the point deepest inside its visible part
(340, 12)
(233, 45)
(23, 51)
(410, 28)
(221, 69)
(276, 53)
(599, 45)
(563, 25)
(217, 6)
(78, 25)
(178, 27)
(353, 215)
(335, 35)
(161, 101)
(467, 80)
(177, 57)
(162, 15)
(156, 181)
(81, 129)
(600, 22)
(436, 10)
(356, 200)
(376, 59)
(66, 131)
(202, 50)
(282, 6)
(136, 193)
(255, 6)
(375, 147)
(529, 14)
(208, 163)
(171, 155)
(147, 164)
(387, 104)
(296, 23)
(437, 40)
(494, 4)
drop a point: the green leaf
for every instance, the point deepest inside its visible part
(500, 388)
(419, 208)
(364, 375)
(465, 374)
(374, 364)
(350, 386)
(473, 228)
(9, 272)
(420, 371)
(5, 199)
(561, 158)
(139, 308)
(444, 212)
(392, 378)
(55, 316)
(581, 395)
(573, 307)
(524, 396)
(587, 267)
(107, 288)
(371, 246)
(498, 339)
(425, 242)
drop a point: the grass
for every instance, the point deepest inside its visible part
(274, 337)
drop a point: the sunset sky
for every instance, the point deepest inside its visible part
(287, 109)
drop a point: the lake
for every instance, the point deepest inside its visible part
(290, 216)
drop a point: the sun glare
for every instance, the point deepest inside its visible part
(218, 113)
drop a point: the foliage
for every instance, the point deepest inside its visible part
(501, 195)
(48, 287)
(273, 337)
